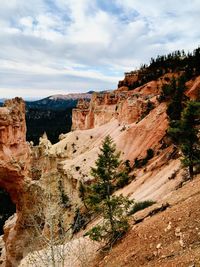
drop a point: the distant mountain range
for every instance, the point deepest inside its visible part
(2, 101)
(52, 115)
(59, 102)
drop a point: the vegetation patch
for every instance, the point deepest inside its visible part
(184, 122)
(141, 205)
(150, 106)
(142, 162)
(64, 199)
(113, 209)
(177, 61)
(80, 221)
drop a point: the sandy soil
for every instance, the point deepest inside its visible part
(170, 238)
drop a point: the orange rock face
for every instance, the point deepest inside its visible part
(14, 151)
(194, 89)
(24, 172)
(14, 166)
(130, 79)
(125, 106)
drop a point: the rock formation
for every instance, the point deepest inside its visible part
(14, 167)
(26, 173)
(125, 106)
(194, 88)
(136, 121)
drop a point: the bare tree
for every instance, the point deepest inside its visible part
(50, 241)
(47, 230)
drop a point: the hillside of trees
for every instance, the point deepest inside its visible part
(174, 62)
(52, 115)
(53, 122)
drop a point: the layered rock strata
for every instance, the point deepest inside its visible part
(14, 167)
(28, 174)
(135, 120)
(125, 106)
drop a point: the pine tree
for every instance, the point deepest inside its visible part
(185, 132)
(189, 139)
(177, 95)
(113, 208)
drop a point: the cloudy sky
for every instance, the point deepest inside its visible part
(62, 46)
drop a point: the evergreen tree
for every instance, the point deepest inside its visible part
(177, 95)
(185, 132)
(168, 90)
(113, 208)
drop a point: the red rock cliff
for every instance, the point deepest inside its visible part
(14, 151)
(25, 173)
(125, 106)
(14, 167)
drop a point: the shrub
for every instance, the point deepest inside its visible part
(142, 162)
(127, 165)
(150, 154)
(64, 199)
(123, 180)
(137, 163)
(80, 221)
(141, 205)
(123, 128)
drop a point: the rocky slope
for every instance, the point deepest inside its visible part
(168, 238)
(136, 121)
(125, 106)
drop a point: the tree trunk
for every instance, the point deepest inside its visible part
(191, 171)
(53, 261)
(108, 185)
(110, 214)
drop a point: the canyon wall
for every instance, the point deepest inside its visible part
(14, 167)
(125, 106)
(136, 121)
(14, 150)
(30, 175)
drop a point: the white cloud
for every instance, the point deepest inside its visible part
(79, 44)
(26, 22)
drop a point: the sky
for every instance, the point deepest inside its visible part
(62, 46)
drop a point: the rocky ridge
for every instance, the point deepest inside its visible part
(14, 167)
(26, 172)
(125, 106)
(136, 121)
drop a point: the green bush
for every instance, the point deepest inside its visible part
(141, 205)
(123, 180)
(127, 165)
(142, 162)
(64, 199)
(80, 221)
(150, 154)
